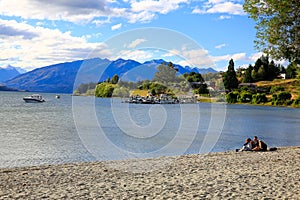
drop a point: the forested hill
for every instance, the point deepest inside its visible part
(60, 78)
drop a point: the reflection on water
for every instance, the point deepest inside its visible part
(45, 133)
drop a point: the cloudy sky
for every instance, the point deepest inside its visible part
(35, 33)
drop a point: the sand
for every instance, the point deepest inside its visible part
(226, 175)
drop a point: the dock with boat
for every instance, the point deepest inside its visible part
(162, 99)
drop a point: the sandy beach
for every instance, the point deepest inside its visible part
(226, 175)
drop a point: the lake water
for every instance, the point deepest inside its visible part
(79, 129)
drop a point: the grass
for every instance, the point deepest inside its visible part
(137, 92)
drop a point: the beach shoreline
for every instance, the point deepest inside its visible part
(222, 175)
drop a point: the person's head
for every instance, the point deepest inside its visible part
(255, 138)
(248, 140)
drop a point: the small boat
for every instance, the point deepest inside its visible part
(35, 98)
(57, 96)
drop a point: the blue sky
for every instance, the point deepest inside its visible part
(36, 33)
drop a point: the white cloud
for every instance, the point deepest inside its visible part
(191, 57)
(220, 6)
(25, 46)
(99, 23)
(136, 42)
(220, 46)
(77, 11)
(224, 17)
(227, 7)
(253, 57)
(116, 27)
(137, 55)
(235, 57)
(197, 10)
(160, 6)
(73, 11)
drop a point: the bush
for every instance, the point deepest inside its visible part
(275, 89)
(104, 90)
(282, 98)
(244, 97)
(121, 92)
(297, 101)
(259, 98)
(231, 97)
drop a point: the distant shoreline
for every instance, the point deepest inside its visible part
(223, 175)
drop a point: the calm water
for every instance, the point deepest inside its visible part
(87, 129)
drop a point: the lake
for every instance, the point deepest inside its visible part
(80, 129)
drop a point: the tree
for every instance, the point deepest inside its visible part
(165, 74)
(247, 77)
(261, 73)
(104, 90)
(273, 71)
(231, 97)
(115, 79)
(291, 71)
(281, 98)
(278, 27)
(230, 79)
(259, 98)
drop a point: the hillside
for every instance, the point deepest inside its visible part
(290, 85)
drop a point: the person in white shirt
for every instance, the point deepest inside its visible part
(248, 145)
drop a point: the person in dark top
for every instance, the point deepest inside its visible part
(259, 145)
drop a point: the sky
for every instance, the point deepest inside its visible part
(198, 33)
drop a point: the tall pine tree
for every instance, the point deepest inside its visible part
(230, 79)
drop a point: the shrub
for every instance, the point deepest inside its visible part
(282, 98)
(104, 90)
(275, 89)
(259, 98)
(244, 97)
(297, 101)
(231, 97)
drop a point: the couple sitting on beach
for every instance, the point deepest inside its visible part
(254, 145)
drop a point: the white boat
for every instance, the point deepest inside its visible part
(35, 98)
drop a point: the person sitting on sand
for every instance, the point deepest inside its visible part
(248, 146)
(259, 145)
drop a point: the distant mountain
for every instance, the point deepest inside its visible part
(4, 88)
(8, 72)
(65, 77)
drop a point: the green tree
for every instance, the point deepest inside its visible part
(165, 74)
(244, 97)
(282, 98)
(261, 73)
(202, 89)
(259, 98)
(247, 77)
(230, 79)
(273, 71)
(277, 25)
(121, 92)
(115, 79)
(275, 89)
(104, 90)
(297, 102)
(291, 71)
(254, 75)
(231, 97)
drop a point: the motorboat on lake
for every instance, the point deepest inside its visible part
(34, 98)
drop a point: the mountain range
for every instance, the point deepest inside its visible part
(8, 72)
(65, 77)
